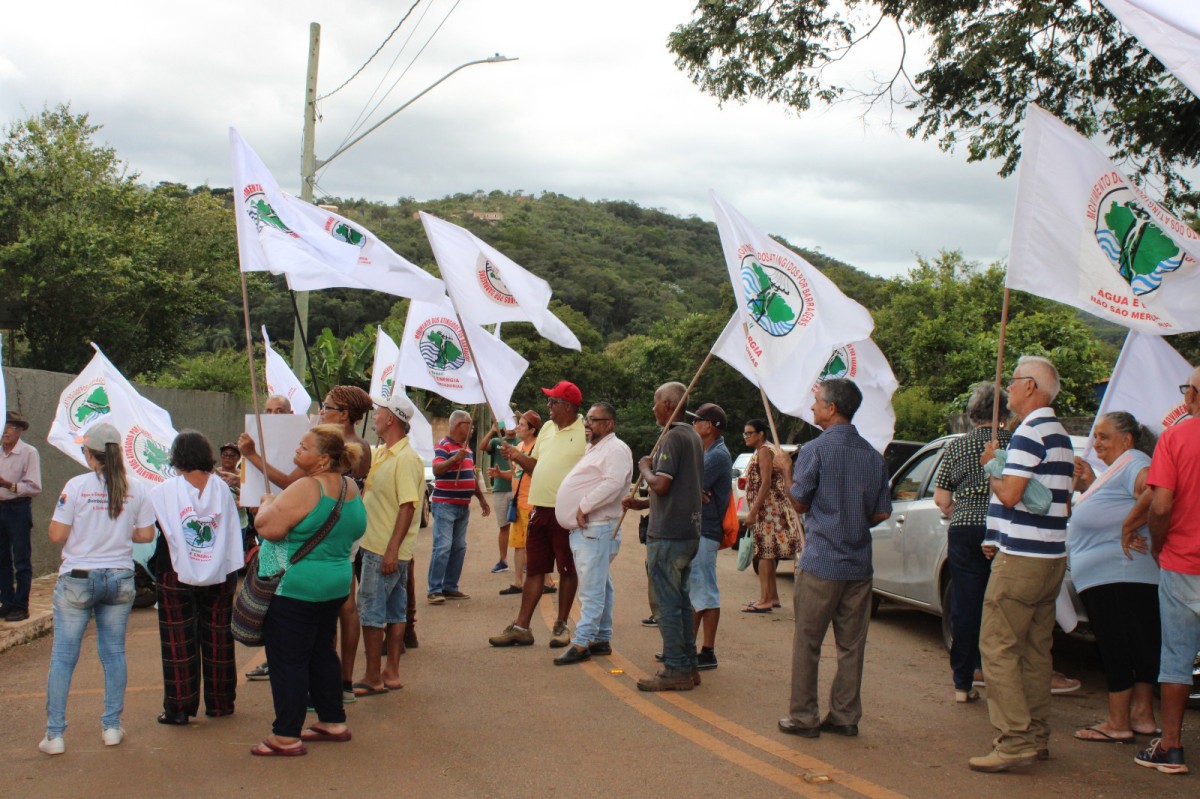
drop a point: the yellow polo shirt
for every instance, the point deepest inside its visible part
(556, 452)
(397, 477)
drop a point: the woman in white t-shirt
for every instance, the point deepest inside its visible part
(97, 518)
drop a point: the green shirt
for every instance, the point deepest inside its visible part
(499, 484)
(324, 573)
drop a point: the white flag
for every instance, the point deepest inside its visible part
(435, 355)
(272, 236)
(794, 315)
(862, 361)
(100, 393)
(379, 268)
(1169, 29)
(1145, 382)
(383, 383)
(1086, 236)
(282, 381)
(487, 286)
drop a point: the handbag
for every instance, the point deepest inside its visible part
(729, 525)
(745, 552)
(253, 599)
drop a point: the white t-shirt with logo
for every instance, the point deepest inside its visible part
(97, 541)
(203, 529)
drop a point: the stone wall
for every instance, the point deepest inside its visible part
(34, 394)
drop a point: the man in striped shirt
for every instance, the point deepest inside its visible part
(455, 482)
(1029, 556)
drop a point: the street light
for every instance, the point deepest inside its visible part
(309, 164)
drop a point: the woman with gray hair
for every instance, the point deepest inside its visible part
(1118, 586)
(961, 491)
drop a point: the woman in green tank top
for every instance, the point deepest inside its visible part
(299, 627)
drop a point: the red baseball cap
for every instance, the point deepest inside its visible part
(566, 391)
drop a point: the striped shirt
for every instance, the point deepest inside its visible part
(457, 486)
(1040, 448)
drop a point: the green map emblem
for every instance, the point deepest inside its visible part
(147, 457)
(259, 209)
(772, 298)
(1141, 252)
(345, 233)
(88, 405)
(441, 345)
(198, 533)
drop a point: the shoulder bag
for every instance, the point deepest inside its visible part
(253, 599)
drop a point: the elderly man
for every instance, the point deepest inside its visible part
(709, 422)
(1175, 543)
(395, 488)
(841, 482)
(674, 473)
(559, 447)
(1028, 552)
(588, 504)
(277, 403)
(455, 482)
(20, 481)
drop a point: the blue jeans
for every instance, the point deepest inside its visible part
(969, 573)
(1179, 608)
(449, 546)
(594, 548)
(669, 569)
(108, 593)
(16, 553)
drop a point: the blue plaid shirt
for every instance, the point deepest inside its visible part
(844, 482)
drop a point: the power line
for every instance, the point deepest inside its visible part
(377, 50)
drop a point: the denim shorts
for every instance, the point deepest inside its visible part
(382, 598)
(702, 585)
(1179, 608)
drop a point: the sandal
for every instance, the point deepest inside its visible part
(1099, 736)
(177, 718)
(313, 734)
(275, 750)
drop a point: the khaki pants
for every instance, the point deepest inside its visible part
(818, 603)
(1014, 642)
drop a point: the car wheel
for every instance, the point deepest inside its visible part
(947, 632)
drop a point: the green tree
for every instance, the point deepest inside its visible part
(985, 60)
(89, 254)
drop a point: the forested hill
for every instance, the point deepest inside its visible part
(622, 266)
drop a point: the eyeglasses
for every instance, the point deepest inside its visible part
(325, 407)
(1184, 388)
(594, 419)
(698, 420)
(1014, 379)
(749, 433)
(554, 401)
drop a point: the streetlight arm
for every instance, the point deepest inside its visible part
(496, 59)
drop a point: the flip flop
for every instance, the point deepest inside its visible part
(395, 687)
(362, 689)
(752, 609)
(313, 734)
(275, 750)
(1104, 738)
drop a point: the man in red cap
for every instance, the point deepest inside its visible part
(559, 447)
(20, 481)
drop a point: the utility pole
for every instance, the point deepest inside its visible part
(308, 162)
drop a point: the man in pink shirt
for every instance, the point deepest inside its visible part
(1175, 544)
(20, 481)
(588, 504)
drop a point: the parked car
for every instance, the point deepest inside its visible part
(739, 483)
(909, 549)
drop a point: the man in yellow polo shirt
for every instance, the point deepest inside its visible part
(559, 447)
(393, 492)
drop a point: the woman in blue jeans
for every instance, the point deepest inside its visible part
(962, 492)
(98, 517)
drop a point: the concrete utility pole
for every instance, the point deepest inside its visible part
(308, 164)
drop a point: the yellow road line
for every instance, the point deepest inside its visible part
(811, 765)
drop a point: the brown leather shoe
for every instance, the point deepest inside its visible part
(667, 680)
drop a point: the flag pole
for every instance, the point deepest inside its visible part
(765, 401)
(999, 368)
(254, 383)
(312, 375)
(461, 326)
(674, 413)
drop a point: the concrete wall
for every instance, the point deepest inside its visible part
(35, 393)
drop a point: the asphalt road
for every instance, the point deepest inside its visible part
(473, 721)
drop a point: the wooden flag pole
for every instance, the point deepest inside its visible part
(770, 416)
(475, 363)
(999, 368)
(674, 414)
(266, 470)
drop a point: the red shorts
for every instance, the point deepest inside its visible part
(546, 542)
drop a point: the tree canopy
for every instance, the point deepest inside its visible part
(984, 61)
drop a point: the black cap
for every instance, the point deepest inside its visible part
(710, 412)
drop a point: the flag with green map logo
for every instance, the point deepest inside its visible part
(100, 393)
(383, 384)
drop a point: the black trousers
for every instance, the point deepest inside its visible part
(304, 665)
(1125, 618)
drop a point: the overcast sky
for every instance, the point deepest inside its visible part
(594, 108)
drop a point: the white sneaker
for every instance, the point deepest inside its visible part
(113, 736)
(53, 746)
